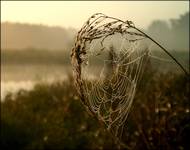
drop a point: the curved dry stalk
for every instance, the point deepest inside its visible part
(177, 62)
(130, 23)
(110, 100)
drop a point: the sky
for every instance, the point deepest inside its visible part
(75, 13)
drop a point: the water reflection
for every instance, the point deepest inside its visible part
(16, 77)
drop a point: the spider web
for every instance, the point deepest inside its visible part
(110, 96)
(108, 61)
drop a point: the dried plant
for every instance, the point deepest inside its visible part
(109, 97)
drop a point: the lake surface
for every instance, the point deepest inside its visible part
(16, 77)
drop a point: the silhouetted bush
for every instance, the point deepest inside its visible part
(51, 117)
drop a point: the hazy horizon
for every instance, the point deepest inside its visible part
(73, 14)
(172, 33)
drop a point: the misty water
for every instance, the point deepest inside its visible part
(16, 77)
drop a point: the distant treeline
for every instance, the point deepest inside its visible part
(22, 36)
(58, 57)
(34, 56)
(173, 34)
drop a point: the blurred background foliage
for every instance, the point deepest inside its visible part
(51, 117)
